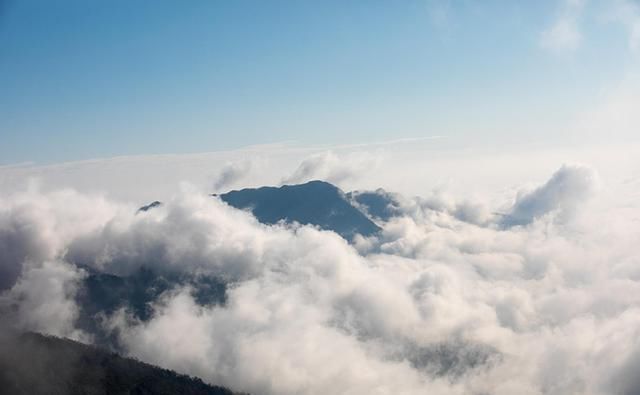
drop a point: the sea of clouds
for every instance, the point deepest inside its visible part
(539, 294)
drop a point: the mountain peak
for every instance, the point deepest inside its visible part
(315, 202)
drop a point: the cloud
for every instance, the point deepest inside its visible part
(438, 304)
(231, 173)
(564, 33)
(570, 186)
(43, 300)
(627, 13)
(328, 166)
(192, 233)
(35, 227)
(614, 114)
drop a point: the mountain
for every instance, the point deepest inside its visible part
(149, 206)
(102, 294)
(34, 364)
(378, 204)
(316, 202)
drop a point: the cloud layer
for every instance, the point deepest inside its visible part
(447, 299)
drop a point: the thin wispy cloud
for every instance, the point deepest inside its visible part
(564, 34)
(333, 167)
(440, 13)
(231, 173)
(627, 13)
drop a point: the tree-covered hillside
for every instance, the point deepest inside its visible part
(34, 364)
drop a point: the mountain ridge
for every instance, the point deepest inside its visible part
(37, 364)
(316, 203)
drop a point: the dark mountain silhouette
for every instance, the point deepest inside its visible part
(150, 206)
(34, 364)
(316, 202)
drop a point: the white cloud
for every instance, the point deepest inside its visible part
(231, 173)
(439, 304)
(569, 187)
(328, 166)
(43, 300)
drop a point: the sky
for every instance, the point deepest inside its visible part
(88, 79)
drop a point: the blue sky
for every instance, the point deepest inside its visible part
(87, 79)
